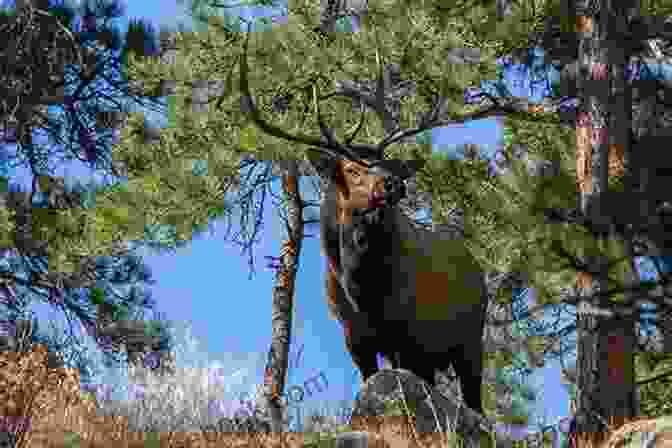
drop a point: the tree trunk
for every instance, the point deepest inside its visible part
(605, 344)
(278, 355)
(650, 130)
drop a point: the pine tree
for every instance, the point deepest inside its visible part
(33, 271)
(630, 194)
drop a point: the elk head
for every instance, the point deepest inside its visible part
(366, 185)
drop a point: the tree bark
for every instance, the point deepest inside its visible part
(606, 392)
(283, 292)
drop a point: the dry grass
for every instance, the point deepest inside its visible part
(61, 417)
(619, 434)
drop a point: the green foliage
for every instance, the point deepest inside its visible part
(656, 8)
(523, 395)
(7, 12)
(248, 138)
(152, 440)
(205, 15)
(305, 65)
(121, 312)
(71, 439)
(168, 197)
(97, 295)
(655, 398)
(397, 408)
(7, 227)
(505, 218)
(171, 104)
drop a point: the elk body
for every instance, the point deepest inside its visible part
(415, 296)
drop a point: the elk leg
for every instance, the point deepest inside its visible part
(412, 360)
(468, 367)
(423, 368)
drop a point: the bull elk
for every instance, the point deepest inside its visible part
(415, 296)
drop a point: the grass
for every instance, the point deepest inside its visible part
(170, 414)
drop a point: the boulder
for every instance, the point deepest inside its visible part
(7, 439)
(381, 396)
(246, 424)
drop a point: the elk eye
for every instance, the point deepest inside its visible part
(354, 174)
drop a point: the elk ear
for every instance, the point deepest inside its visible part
(324, 164)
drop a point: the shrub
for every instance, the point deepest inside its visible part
(30, 390)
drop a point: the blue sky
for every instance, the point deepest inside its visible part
(206, 284)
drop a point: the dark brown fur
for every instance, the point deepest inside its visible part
(427, 324)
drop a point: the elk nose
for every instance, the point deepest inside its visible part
(394, 186)
(390, 184)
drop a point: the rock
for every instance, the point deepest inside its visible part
(381, 396)
(248, 424)
(252, 424)
(7, 440)
(353, 439)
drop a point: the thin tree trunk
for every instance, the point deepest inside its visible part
(605, 344)
(278, 355)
